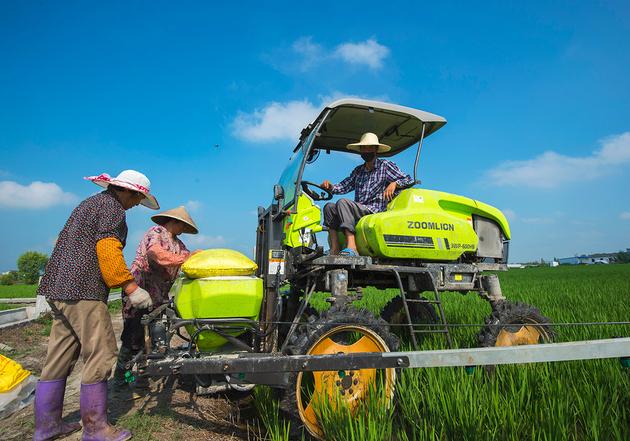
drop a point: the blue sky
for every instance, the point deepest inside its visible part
(536, 97)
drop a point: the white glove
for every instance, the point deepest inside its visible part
(140, 299)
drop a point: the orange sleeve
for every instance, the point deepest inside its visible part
(165, 258)
(112, 263)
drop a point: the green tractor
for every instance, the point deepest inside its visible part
(427, 242)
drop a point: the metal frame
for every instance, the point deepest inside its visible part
(243, 363)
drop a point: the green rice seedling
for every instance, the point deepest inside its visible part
(268, 409)
(370, 420)
(580, 400)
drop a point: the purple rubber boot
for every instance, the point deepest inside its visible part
(48, 409)
(94, 415)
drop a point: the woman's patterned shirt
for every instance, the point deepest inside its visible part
(73, 271)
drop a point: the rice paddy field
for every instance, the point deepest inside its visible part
(17, 291)
(587, 400)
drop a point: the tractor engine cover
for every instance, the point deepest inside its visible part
(427, 225)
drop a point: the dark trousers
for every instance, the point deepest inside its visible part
(132, 336)
(132, 342)
(344, 214)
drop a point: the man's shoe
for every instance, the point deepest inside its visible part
(348, 252)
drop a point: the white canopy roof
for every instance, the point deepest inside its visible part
(397, 126)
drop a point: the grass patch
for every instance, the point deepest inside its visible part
(18, 291)
(146, 427)
(46, 322)
(115, 306)
(7, 306)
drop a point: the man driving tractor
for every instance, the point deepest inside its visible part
(374, 184)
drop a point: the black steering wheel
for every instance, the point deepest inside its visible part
(324, 195)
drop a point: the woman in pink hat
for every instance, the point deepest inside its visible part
(159, 256)
(86, 263)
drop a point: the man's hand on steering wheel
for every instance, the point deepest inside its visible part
(328, 195)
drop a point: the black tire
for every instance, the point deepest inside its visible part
(508, 318)
(289, 310)
(421, 313)
(310, 334)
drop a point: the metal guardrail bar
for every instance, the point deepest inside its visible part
(550, 352)
(18, 300)
(22, 316)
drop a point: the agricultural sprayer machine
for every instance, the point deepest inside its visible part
(260, 329)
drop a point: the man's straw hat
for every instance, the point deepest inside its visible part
(179, 214)
(369, 139)
(131, 179)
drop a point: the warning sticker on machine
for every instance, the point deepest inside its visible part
(276, 262)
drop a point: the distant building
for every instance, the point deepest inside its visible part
(569, 261)
(586, 260)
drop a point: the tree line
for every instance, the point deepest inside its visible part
(30, 266)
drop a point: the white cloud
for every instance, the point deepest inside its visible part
(538, 220)
(203, 241)
(281, 121)
(552, 169)
(310, 53)
(34, 196)
(509, 214)
(193, 205)
(368, 52)
(625, 215)
(275, 121)
(305, 55)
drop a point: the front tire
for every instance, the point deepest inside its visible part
(346, 330)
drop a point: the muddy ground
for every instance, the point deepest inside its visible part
(157, 413)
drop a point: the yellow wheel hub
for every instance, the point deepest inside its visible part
(350, 387)
(526, 335)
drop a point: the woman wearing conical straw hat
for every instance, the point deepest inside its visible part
(159, 256)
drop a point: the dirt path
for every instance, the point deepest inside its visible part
(158, 413)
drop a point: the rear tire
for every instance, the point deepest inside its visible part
(335, 332)
(514, 324)
(421, 313)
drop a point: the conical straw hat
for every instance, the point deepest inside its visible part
(369, 139)
(179, 214)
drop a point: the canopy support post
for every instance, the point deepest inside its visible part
(415, 164)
